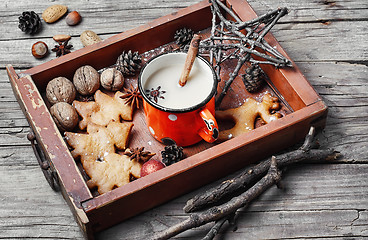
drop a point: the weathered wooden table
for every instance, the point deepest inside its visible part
(329, 42)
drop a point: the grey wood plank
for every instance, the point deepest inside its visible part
(308, 207)
(302, 42)
(316, 10)
(30, 209)
(101, 16)
(128, 14)
(327, 39)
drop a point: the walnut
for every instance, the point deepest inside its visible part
(112, 79)
(64, 115)
(60, 89)
(86, 80)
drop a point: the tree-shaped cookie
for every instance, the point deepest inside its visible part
(99, 141)
(244, 116)
(103, 110)
(113, 171)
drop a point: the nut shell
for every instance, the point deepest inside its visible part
(60, 89)
(112, 79)
(53, 13)
(73, 18)
(64, 115)
(89, 37)
(61, 37)
(86, 80)
(39, 49)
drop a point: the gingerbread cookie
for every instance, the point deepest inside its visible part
(113, 171)
(99, 141)
(103, 110)
(244, 116)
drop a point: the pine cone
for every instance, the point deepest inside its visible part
(128, 63)
(29, 22)
(253, 78)
(172, 154)
(183, 36)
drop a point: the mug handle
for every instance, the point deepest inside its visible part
(210, 131)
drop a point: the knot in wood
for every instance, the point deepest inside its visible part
(195, 219)
(215, 211)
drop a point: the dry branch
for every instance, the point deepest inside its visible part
(244, 180)
(228, 35)
(227, 210)
(218, 212)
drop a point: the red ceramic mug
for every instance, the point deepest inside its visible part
(182, 114)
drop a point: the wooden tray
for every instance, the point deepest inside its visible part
(204, 163)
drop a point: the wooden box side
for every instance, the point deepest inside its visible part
(54, 148)
(142, 194)
(129, 200)
(143, 38)
(206, 166)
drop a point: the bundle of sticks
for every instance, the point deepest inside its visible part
(242, 189)
(241, 40)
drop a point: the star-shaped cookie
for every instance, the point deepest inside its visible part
(103, 110)
(99, 141)
(113, 171)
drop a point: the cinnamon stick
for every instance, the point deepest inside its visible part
(191, 55)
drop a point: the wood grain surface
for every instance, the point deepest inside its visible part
(328, 41)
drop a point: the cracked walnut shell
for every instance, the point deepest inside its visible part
(60, 89)
(112, 79)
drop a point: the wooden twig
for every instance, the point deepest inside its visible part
(309, 139)
(227, 35)
(247, 177)
(213, 29)
(215, 213)
(217, 226)
(228, 209)
(215, 229)
(262, 18)
(229, 11)
(252, 174)
(233, 75)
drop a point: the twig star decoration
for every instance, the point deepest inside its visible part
(228, 40)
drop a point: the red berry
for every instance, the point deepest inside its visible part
(150, 167)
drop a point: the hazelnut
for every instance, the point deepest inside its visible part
(60, 89)
(64, 115)
(112, 79)
(73, 18)
(39, 49)
(86, 80)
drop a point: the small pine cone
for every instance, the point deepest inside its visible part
(29, 22)
(183, 36)
(253, 78)
(172, 154)
(128, 63)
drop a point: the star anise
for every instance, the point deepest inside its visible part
(155, 94)
(62, 49)
(132, 96)
(138, 154)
